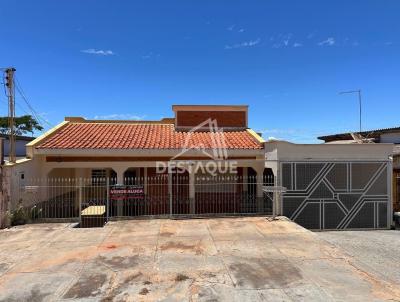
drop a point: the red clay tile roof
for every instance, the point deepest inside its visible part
(141, 136)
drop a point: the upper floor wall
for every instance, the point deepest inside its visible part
(199, 116)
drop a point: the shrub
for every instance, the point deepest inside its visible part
(19, 216)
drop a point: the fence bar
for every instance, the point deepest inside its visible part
(159, 195)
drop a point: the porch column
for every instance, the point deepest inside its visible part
(244, 175)
(120, 181)
(260, 195)
(120, 175)
(192, 192)
(79, 179)
(277, 196)
(145, 179)
(44, 190)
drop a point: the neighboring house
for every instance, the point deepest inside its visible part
(387, 135)
(20, 145)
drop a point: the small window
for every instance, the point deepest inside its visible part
(21, 180)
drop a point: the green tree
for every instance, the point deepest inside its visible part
(23, 124)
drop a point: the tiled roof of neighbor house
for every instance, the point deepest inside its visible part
(368, 134)
(97, 135)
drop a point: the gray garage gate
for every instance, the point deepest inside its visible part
(337, 195)
(334, 186)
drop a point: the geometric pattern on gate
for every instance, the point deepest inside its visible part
(336, 195)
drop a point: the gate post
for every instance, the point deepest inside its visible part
(259, 189)
(80, 197)
(192, 192)
(108, 198)
(170, 192)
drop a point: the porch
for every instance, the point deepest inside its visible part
(65, 192)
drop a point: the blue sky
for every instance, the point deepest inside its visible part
(133, 59)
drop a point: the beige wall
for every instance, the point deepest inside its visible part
(281, 150)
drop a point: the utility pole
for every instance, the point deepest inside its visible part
(11, 112)
(359, 102)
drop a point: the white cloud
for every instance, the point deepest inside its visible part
(150, 55)
(296, 44)
(250, 43)
(241, 30)
(232, 27)
(286, 39)
(120, 116)
(282, 40)
(99, 52)
(389, 43)
(329, 42)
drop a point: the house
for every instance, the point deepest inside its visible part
(20, 145)
(205, 160)
(379, 136)
(163, 157)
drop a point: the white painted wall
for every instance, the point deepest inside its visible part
(20, 147)
(393, 138)
(282, 150)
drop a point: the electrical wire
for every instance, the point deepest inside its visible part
(35, 114)
(18, 87)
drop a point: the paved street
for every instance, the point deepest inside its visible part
(226, 259)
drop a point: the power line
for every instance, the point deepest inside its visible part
(19, 106)
(35, 114)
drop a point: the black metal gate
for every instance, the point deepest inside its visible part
(337, 195)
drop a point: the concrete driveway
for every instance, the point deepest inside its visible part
(375, 251)
(229, 259)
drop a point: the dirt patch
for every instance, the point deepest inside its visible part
(167, 234)
(88, 286)
(181, 277)
(35, 295)
(144, 291)
(119, 262)
(147, 282)
(257, 273)
(133, 277)
(111, 246)
(174, 246)
(3, 267)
